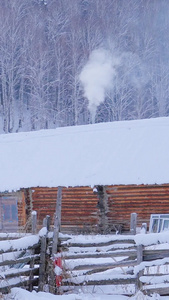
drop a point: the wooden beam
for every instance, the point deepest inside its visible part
(57, 221)
(57, 224)
(162, 291)
(108, 265)
(42, 269)
(22, 272)
(22, 260)
(140, 273)
(100, 244)
(43, 249)
(130, 253)
(34, 222)
(125, 280)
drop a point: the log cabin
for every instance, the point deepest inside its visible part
(107, 171)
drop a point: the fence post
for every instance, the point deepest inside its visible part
(34, 222)
(31, 277)
(144, 228)
(42, 267)
(133, 223)
(46, 222)
(57, 224)
(34, 229)
(141, 272)
(43, 248)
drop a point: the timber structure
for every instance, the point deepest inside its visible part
(107, 171)
(103, 209)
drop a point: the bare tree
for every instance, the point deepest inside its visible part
(12, 13)
(44, 44)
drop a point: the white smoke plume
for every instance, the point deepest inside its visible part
(97, 77)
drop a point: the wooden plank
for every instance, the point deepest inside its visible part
(22, 260)
(35, 246)
(14, 236)
(129, 253)
(162, 291)
(103, 268)
(114, 281)
(142, 187)
(23, 283)
(149, 255)
(151, 277)
(112, 265)
(112, 242)
(22, 272)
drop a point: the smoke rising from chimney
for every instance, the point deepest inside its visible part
(97, 77)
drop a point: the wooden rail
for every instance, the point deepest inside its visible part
(23, 259)
(138, 258)
(145, 269)
(28, 261)
(14, 255)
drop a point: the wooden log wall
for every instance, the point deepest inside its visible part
(79, 206)
(141, 199)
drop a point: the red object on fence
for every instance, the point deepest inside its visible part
(58, 263)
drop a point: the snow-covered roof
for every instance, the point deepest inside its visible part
(127, 152)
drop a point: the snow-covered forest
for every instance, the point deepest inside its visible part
(69, 62)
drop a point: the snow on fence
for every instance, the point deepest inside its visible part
(22, 258)
(152, 271)
(127, 261)
(17, 262)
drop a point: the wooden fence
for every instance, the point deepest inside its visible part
(19, 263)
(28, 261)
(25, 262)
(22, 259)
(142, 268)
(152, 270)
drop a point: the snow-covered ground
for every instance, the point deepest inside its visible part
(20, 294)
